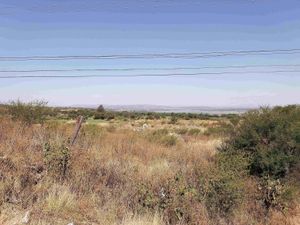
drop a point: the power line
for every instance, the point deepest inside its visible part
(149, 75)
(148, 68)
(155, 55)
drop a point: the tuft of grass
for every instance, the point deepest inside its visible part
(194, 132)
(60, 200)
(143, 220)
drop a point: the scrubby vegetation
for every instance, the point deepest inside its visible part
(238, 170)
(20, 109)
(271, 140)
(267, 141)
(29, 113)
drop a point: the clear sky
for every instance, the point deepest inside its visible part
(100, 27)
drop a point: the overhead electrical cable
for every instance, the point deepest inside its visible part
(148, 68)
(149, 75)
(191, 55)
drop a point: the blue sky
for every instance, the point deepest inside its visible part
(91, 27)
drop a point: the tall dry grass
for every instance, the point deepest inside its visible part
(114, 176)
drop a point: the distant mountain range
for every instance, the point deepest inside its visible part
(175, 109)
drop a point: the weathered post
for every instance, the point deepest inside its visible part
(77, 128)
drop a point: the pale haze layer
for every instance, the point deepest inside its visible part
(73, 27)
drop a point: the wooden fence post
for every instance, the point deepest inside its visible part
(77, 128)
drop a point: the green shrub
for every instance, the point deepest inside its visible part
(223, 196)
(99, 116)
(173, 120)
(270, 139)
(222, 192)
(178, 198)
(28, 113)
(56, 159)
(223, 186)
(174, 198)
(236, 164)
(110, 116)
(104, 116)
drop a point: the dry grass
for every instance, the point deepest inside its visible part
(115, 176)
(60, 200)
(143, 220)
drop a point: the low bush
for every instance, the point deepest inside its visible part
(99, 116)
(163, 137)
(271, 193)
(175, 198)
(104, 116)
(56, 159)
(223, 194)
(183, 200)
(28, 113)
(168, 140)
(173, 120)
(222, 129)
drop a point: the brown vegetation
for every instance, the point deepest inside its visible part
(123, 176)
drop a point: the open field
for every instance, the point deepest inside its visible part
(149, 112)
(136, 171)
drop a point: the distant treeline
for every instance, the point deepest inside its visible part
(17, 107)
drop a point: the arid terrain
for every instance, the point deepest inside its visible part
(140, 171)
(149, 112)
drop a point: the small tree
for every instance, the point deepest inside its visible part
(29, 113)
(100, 108)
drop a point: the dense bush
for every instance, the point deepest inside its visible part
(222, 193)
(270, 139)
(75, 113)
(29, 113)
(99, 116)
(104, 116)
(176, 198)
(180, 197)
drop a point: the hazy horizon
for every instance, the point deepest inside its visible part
(96, 104)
